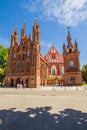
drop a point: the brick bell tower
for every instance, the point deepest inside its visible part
(35, 69)
(72, 73)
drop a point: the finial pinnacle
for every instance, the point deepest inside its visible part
(36, 20)
(23, 25)
(68, 30)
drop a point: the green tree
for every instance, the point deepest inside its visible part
(84, 72)
(3, 62)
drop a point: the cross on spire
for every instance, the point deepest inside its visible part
(68, 30)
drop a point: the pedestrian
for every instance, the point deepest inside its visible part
(18, 85)
(25, 85)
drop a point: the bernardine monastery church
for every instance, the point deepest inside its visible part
(28, 67)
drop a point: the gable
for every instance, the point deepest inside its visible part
(54, 56)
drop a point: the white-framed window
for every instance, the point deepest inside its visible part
(71, 64)
(53, 70)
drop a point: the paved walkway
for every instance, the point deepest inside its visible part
(46, 108)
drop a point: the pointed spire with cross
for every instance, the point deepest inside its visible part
(68, 30)
(69, 38)
(23, 30)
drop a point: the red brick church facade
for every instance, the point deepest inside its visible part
(27, 67)
(72, 73)
(56, 62)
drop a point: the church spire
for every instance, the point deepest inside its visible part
(14, 38)
(69, 38)
(23, 31)
(68, 31)
(36, 31)
(76, 45)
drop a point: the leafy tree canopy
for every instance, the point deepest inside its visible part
(84, 72)
(3, 57)
(3, 62)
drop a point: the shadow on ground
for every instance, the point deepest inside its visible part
(42, 119)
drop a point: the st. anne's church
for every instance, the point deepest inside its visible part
(27, 66)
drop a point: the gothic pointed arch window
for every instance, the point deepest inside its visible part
(53, 70)
(28, 53)
(14, 55)
(71, 64)
(22, 69)
(18, 67)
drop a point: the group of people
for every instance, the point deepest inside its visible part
(21, 85)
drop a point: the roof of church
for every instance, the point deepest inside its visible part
(53, 48)
(54, 56)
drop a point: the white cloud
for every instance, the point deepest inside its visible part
(67, 12)
(31, 5)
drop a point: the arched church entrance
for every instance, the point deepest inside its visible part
(53, 70)
(72, 81)
(27, 83)
(19, 82)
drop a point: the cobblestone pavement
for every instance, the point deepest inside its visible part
(45, 108)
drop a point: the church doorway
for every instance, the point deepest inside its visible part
(27, 83)
(19, 82)
(72, 81)
(53, 70)
(12, 82)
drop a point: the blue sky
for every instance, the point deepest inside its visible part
(53, 16)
